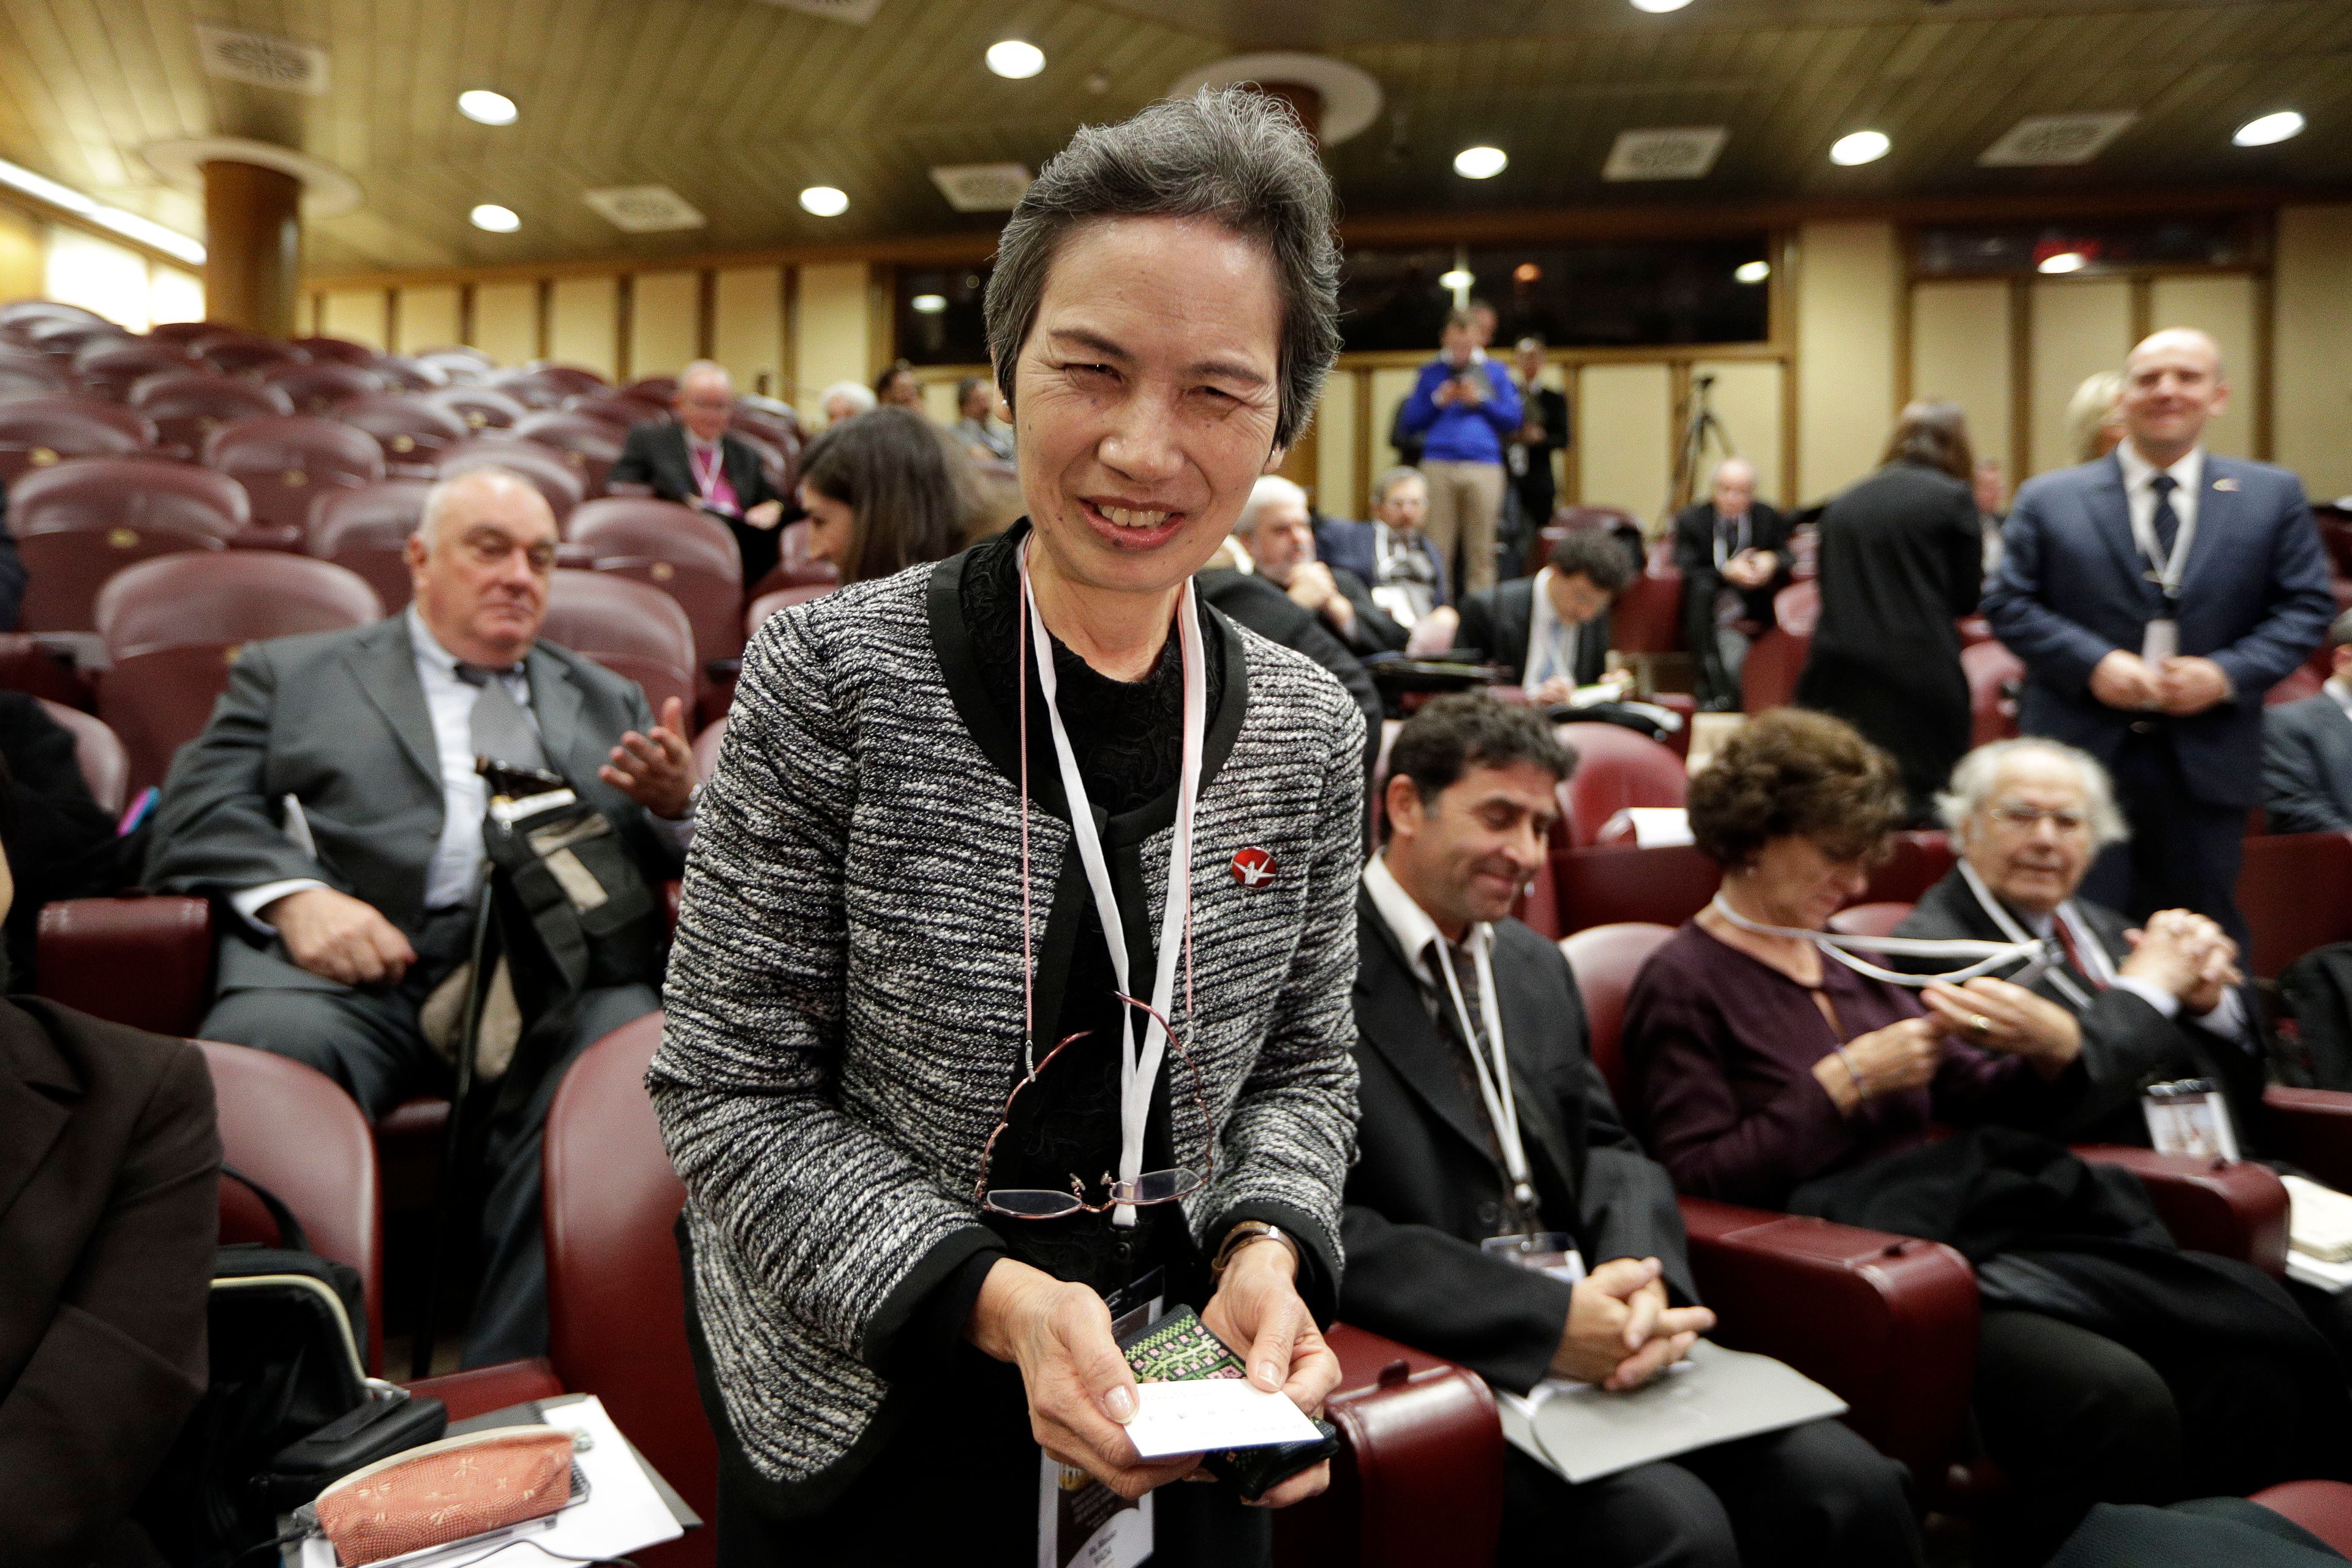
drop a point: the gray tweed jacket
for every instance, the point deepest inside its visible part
(844, 996)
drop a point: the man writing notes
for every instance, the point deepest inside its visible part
(1483, 1125)
(696, 462)
(2155, 596)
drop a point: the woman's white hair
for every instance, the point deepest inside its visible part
(1271, 489)
(1980, 770)
(860, 396)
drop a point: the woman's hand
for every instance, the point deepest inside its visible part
(1885, 1062)
(1257, 1313)
(2008, 1018)
(1080, 1389)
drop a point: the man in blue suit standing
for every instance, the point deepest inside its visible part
(2155, 596)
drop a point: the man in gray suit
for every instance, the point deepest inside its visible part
(2307, 751)
(333, 808)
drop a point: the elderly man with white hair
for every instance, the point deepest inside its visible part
(845, 401)
(2118, 1007)
(696, 461)
(334, 810)
(1276, 530)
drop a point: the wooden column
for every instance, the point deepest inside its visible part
(253, 247)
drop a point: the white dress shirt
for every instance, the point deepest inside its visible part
(1413, 928)
(2340, 690)
(2139, 493)
(1552, 642)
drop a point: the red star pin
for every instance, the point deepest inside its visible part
(1252, 868)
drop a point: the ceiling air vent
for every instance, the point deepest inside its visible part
(857, 13)
(262, 59)
(981, 187)
(2044, 141)
(1680, 153)
(644, 209)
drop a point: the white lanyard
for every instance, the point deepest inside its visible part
(1739, 533)
(707, 476)
(2094, 954)
(1989, 956)
(1502, 1108)
(1138, 1066)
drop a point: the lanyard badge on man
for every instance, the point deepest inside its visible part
(1138, 1065)
(2166, 546)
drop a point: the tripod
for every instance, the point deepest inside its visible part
(1699, 425)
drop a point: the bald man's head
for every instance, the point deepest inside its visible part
(1734, 489)
(706, 399)
(480, 564)
(2172, 385)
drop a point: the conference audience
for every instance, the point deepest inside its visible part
(332, 810)
(1733, 552)
(2154, 655)
(109, 1210)
(1450, 1177)
(1543, 432)
(1276, 535)
(696, 462)
(2308, 749)
(845, 401)
(883, 493)
(1552, 630)
(1901, 559)
(1462, 408)
(898, 387)
(2095, 416)
(1766, 1070)
(976, 420)
(1391, 554)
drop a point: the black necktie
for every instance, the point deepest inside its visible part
(2166, 522)
(500, 728)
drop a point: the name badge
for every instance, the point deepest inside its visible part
(1550, 1252)
(2189, 1117)
(1080, 1521)
(2160, 641)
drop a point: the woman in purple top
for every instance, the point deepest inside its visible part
(1757, 1063)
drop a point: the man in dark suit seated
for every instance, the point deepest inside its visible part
(333, 808)
(2155, 596)
(1733, 552)
(1391, 554)
(2307, 751)
(1277, 530)
(108, 1163)
(1552, 630)
(1484, 1122)
(696, 462)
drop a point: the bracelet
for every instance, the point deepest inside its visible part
(1241, 1236)
(1860, 1089)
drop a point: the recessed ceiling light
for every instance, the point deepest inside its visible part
(1526, 273)
(1016, 58)
(1660, 6)
(825, 201)
(2269, 128)
(486, 107)
(1860, 147)
(1480, 162)
(929, 304)
(496, 218)
(2062, 261)
(1456, 278)
(1752, 271)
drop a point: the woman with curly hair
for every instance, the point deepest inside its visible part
(1771, 1067)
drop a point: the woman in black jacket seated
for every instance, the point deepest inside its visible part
(2111, 1365)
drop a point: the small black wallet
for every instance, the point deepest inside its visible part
(1178, 1347)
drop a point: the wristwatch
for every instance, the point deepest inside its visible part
(1241, 1236)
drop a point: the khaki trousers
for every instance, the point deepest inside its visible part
(1465, 500)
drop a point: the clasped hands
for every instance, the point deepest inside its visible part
(2181, 686)
(1621, 1330)
(1081, 1391)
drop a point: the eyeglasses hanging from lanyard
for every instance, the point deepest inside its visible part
(1138, 1063)
(2034, 954)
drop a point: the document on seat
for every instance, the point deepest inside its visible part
(1210, 1414)
(1584, 1432)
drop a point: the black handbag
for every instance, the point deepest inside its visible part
(289, 1406)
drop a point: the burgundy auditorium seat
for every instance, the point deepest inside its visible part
(543, 469)
(576, 381)
(110, 370)
(173, 626)
(367, 530)
(237, 354)
(537, 389)
(481, 407)
(660, 391)
(780, 465)
(403, 374)
(687, 554)
(1993, 674)
(143, 961)
(413, 429)
(183, 334)
(65, 338)
(631, 628)
(626, 409)
(1769, 676)
(98, 752)
(36, 432)
(1916, 859)
(1648, 616)
(1664, 884)
(336, 351)
(778, 599)
(462, 366)
(27, 373)
(770, 421)
(2296, 893)
(321, 386)
(18, 316)
(78, 523)
(188, 405)
(1615, 768)
(285, 460)
(588, 445)
(1570, 519)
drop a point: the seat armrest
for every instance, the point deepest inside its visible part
(144, 961)
(285, 536)
(1419, 1477)
(483, 1389)
(2231, 1208)
(2311, 1129)
(1888, 1322)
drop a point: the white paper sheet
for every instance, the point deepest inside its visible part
(1209, 1414)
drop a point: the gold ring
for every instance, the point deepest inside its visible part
(1981, 1023)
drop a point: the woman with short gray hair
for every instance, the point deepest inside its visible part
(1010, 998)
